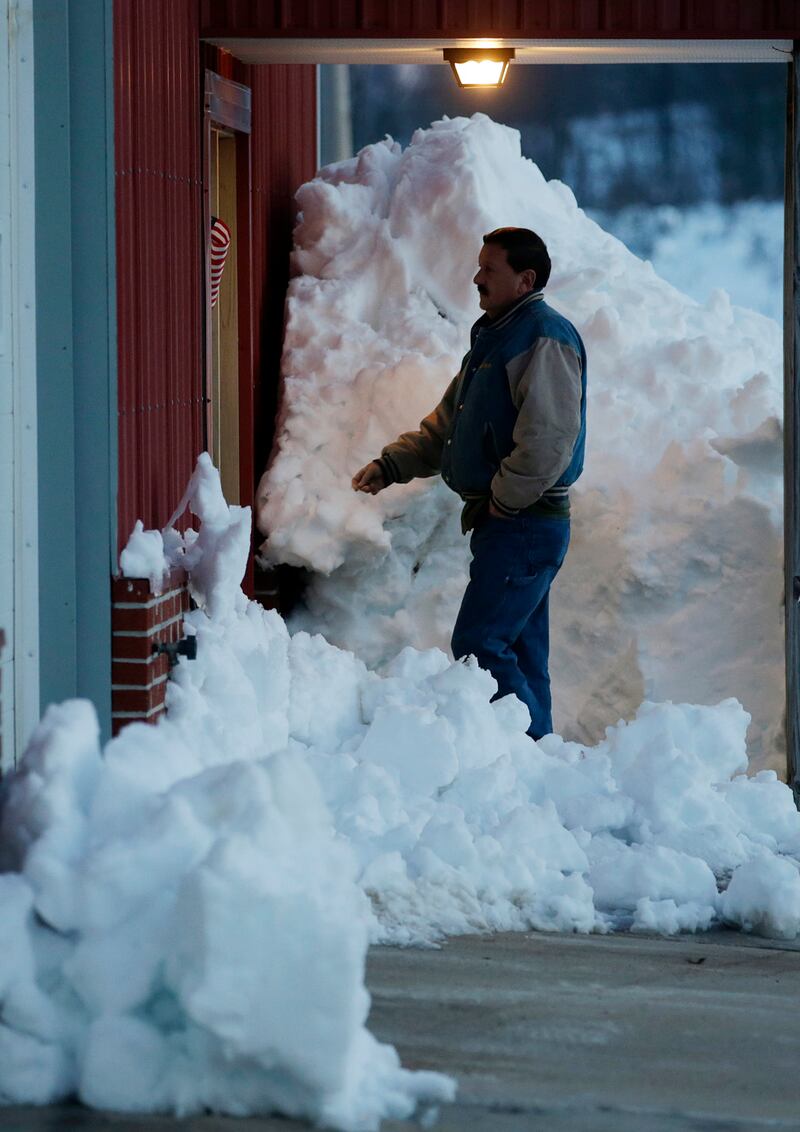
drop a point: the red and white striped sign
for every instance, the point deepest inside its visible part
(220, 242)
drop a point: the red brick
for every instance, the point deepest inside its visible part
(134, 664)
(142, 700)
(146, 617)
(130, 589)
(133, 589)
(173, 632)
(133, 648)
(141, 647)
(139, 674)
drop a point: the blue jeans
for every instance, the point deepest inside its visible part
(503, 620)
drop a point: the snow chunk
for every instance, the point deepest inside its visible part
(764, 897)
(143, 557)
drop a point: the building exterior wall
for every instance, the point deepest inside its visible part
(142, 622)
(160, 246)
(7, 416)
(159, 256)
(284, 156)
(19, 626)
(8, 469)
(589, 19)
(75, 348)
(160, 243)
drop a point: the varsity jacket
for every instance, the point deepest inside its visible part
(511, 426)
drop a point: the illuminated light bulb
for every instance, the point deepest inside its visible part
(479, 67)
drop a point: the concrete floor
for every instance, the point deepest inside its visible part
(570, 1034)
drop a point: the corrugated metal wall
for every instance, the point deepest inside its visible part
(160, 241)
(523, 18)
(159, 255)
(284, 155)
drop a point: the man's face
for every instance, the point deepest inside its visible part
(499, 285)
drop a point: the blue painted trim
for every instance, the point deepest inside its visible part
(54, 358)
(75, 83)
(92, 156)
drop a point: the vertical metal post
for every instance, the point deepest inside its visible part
(335, 117)
(791, 429)
(75, 347)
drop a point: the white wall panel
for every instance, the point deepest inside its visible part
(7, 440)
(19, 701)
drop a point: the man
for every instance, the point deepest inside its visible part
(509, 437)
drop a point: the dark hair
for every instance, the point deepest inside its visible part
(524, 250)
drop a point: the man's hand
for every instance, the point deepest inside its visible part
(495, 513)
(369, 478)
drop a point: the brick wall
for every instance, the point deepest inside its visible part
(140, 621)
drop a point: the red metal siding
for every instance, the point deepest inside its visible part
(159, 255)
(283, 156)
(636, 19)
(160, 248)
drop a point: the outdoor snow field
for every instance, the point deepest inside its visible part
(185, 914)
(672, 589)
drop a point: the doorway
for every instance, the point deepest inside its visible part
(227, 128)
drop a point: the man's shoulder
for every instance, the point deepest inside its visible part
(544, 321)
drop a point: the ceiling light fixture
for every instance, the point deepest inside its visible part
(479, 66)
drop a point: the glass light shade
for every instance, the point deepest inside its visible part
(481, 72)
(479, 67)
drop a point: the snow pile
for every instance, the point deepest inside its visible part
(186, 921)
(461, 823)
(701, 247)
(673, 585)
(185, 932)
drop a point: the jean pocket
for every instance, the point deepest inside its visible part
(519, 581)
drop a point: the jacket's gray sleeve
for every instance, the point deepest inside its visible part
(545, 384)
(419, 453)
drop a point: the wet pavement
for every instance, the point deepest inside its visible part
(614, 1033)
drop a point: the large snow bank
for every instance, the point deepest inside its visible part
(701, 247)
(672, 587)
(185, 931)
(188, 922)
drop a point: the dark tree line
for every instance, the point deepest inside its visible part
(688, 132)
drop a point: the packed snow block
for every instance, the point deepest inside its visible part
(764, 897)
(325, 695)
(186, 931)
(621, 875)
(141, 619)
(414, 744)
(122, 1067)
(264, 883)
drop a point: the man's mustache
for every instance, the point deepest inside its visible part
(481, 289)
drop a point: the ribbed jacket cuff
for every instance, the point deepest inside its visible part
(501, 507)
(388, 469)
